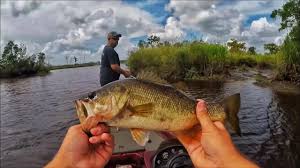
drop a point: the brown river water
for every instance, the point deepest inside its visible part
(37, 111)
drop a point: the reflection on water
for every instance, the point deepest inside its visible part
(36, 112)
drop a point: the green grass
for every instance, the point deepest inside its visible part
(179, 61)
(257, 60)
(194, 60)
(288, 63)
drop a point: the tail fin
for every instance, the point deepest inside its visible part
(232, 107)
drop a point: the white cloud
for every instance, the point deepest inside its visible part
(179, 8)
(205, 17)
(62, 26)
(260, 32)
(219, 21)
(42, 25)
(172, 31)
(23, 7)
(255, 7)
(263, 28)
(124, 47)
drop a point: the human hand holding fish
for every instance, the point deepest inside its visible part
(127, 73)
(149, 104)
(211, 145)
(144, 105)
(79, 150)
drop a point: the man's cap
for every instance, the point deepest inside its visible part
(114, 34)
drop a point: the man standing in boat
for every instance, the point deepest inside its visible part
(110, 69)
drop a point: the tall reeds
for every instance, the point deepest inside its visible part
(193, 60)
(289, 61)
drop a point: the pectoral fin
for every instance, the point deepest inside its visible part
(142, 110)
(140, 136)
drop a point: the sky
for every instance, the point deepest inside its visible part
(64, 29)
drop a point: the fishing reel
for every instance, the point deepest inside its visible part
(171, 154)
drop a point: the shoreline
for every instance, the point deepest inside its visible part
(262, 77)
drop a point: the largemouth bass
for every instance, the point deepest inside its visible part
(142, 105)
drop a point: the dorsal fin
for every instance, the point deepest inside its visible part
(151, 77)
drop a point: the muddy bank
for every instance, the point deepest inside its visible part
(267, 78)
(260, 77)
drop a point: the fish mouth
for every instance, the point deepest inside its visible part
(81, 110)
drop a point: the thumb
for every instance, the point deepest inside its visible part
(203, 117)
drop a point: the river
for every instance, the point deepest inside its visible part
(37, 111)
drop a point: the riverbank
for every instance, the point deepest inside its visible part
(48, 70)
(66, 66)
(203, 61)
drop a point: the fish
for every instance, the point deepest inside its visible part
(148, 103)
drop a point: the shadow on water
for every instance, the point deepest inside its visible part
(37, 111)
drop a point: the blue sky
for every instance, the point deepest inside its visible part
(64, 29)
(156, 8)
(254, 17)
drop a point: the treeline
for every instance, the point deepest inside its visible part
(73, 65)
(15, 61)
(194, 59)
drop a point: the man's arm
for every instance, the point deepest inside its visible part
(118, 69)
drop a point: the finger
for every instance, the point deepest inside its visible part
(108, 139)
(105, 150)
(95, 139)
(103, 138)
(109, 143)
(99, 129)
(203, 117)
(220, 125)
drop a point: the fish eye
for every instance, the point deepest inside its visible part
(92, 95)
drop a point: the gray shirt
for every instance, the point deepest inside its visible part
(108, 57)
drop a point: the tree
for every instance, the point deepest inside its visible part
(166, 43)
(236, 46)
(153, 40)
(290, 15)
(272, 48)
(15, 61)
(75, 60)
(251, 50)
(10, 51)
(41, 58)
(290, 18)
(23, 51)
